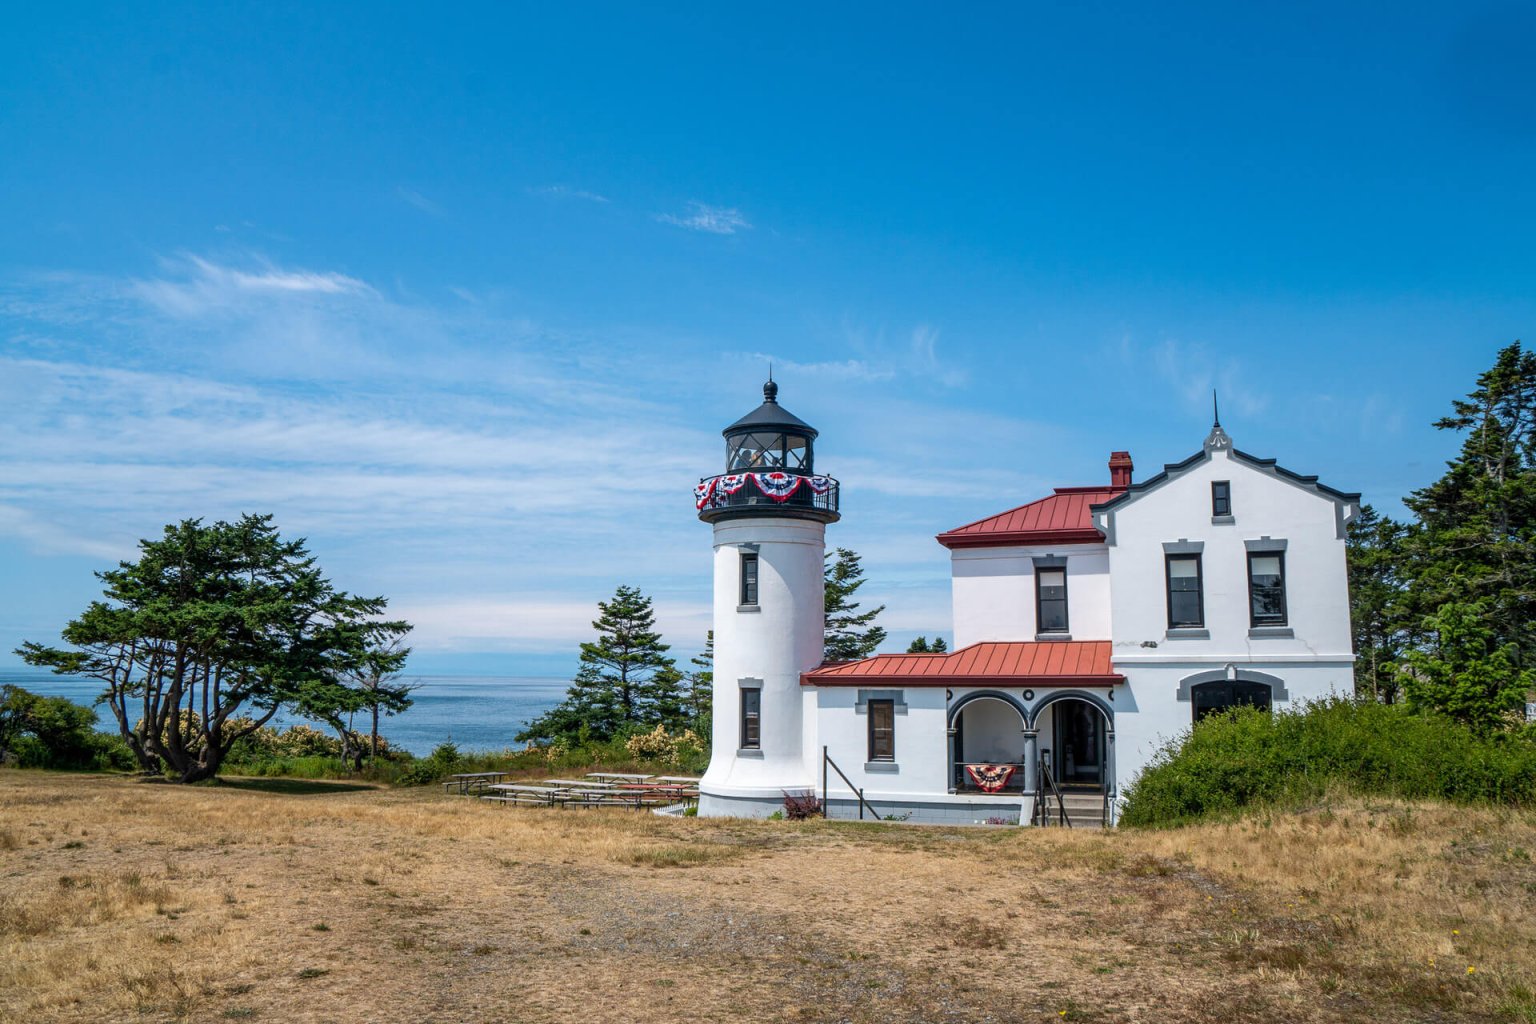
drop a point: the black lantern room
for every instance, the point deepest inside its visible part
(769, 469)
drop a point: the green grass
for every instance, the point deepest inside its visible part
(1231, 762)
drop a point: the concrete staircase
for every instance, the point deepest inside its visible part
(1085, 808)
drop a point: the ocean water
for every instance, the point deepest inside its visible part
(475, 712)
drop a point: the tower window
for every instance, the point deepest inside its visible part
(1186, 604)
(751, 719)
(749, 579)
(1051, 600)
(882, 730)
(1266, 587)
(1221, 498)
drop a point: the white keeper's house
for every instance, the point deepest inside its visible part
(1090, 626)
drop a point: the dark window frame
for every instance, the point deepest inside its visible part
(750, 578)
(1198, 559)
(1066, 622)
(1283, 618)
(751, 718)
(1221, 497)
(886, 708)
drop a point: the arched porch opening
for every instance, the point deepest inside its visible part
(1076, 741)
(987, 741)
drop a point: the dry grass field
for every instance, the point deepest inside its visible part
(273, 901)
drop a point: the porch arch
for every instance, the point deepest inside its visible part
(975, 695)
(1082, 695)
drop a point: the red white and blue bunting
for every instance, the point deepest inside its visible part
(779, 487)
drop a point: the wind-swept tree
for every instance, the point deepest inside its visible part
(850, 634)
(372, 686)
(625, 678)
(208, 633)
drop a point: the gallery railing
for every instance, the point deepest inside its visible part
(766, 490)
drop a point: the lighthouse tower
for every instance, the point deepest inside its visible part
(770, 511)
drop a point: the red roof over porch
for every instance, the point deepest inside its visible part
(991, 663)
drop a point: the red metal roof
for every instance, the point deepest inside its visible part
(1062, 518)
(991, 663)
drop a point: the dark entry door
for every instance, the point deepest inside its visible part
(1079, 742)
(1214, 698)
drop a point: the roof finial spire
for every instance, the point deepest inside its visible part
(770, 389)
(1217, 438)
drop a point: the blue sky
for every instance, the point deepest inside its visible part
(465, 294)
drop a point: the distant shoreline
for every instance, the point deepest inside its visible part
(473, 711)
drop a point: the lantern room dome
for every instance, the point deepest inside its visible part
(769, 469)
(770, 415)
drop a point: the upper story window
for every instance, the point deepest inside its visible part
(748, 579)
(1051, 600)
(751, 719)
(1221, 498)
(882, 730)
(1266, 588)
(1186, 603)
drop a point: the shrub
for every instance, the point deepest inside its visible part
(1248, 757)
(676, 750)
(801, 805)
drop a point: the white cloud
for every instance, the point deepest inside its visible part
(717, 220)
(567, 192)
(201, 286)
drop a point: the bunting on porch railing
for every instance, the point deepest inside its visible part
(777, 486)
(990, 778)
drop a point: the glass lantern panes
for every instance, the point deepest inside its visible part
(766, 451)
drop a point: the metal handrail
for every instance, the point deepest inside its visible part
(1061, 805)
(826, 760)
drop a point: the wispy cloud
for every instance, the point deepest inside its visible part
(414, 198)
(717, 220)
(567, 192)
(194, 286)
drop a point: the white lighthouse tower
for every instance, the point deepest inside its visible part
(770, 511)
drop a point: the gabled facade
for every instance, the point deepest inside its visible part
(1090, 626)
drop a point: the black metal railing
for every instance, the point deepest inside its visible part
(1042, 803)
(827, 762)
(819, 494)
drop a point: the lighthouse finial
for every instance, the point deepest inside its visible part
(770, 389)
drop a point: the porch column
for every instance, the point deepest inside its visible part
(949, 762)
(1111, 783)
(1031, 775)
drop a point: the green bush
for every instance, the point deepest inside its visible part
(1247, 757)
(54, 732)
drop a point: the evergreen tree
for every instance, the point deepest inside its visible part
(919, 646)
(850, 634)
(939, 646)
(211, 626)
(1476, 536)
(700, 683)
(1464, 672)
(1375, 555)
(1465, 603)
(625, 679)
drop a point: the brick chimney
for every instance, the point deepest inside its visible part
(1120, 467)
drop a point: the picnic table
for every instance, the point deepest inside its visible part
(578, 782)
(618, 776)
(466, 782)
(681, 779)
